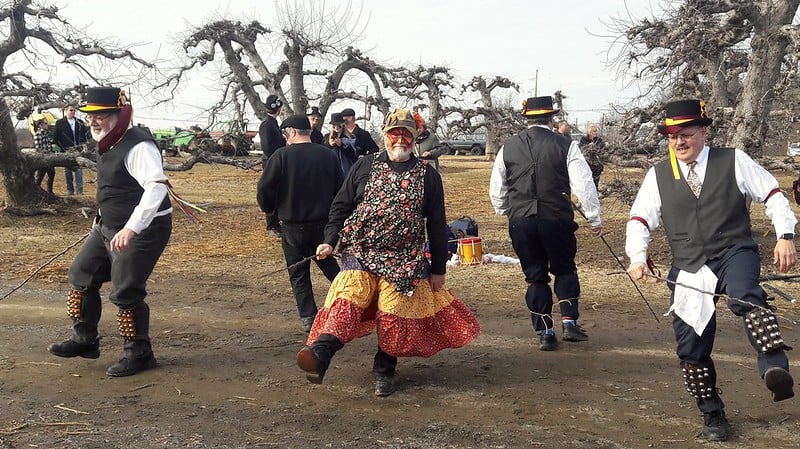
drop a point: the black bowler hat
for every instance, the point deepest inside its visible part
(103, 99)
(273, 103)
(683, 114)
(336, 119)
(348, 113)
(538, 107)
(314, 111)
(296, 121)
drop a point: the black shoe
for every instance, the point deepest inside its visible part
(779, 382)
(130, 366)
(384, 385)
(573, 332)
(715, 426)
(308, 362)
(71, 348)
(307, 321)
(548, 342)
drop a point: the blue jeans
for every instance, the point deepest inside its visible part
(68, 172)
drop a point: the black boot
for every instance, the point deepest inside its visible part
(84, 308)
(134, 326)
(715, 426)
(316, 359)
(137, 356)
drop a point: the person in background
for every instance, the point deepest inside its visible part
(271, 139)
(427, 145)
(532, 181)
(71, 132)
(345, 153)
(43, 143)
(298, 185)
(315, 118)
(701, 194)
(352, 135)
(563, 128)
(592, 145)
(132, 228)
(379, 218)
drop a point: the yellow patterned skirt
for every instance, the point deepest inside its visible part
(420, 325)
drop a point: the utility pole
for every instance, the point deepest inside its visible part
(536, 84)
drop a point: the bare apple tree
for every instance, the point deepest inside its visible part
(37, 41)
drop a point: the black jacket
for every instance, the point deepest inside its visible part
(271, 136)
(63, 137)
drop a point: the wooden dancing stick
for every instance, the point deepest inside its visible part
(44, 265)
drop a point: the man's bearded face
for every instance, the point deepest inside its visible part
(101, 123)
(399, 144)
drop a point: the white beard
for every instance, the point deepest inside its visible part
(98, 135)
(400, 153)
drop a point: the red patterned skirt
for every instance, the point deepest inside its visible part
(420, 325)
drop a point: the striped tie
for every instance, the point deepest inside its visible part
(693, 180)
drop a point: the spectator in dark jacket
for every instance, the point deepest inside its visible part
(298, 185)
(358, 138)
(71, 132)
(315, 118)
(271, 139)
(591, 144)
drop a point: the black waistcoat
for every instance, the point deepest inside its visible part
(118, 193)
(536, 175)
(700, 229)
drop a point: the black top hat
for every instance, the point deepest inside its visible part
(336, 119)
(682, 114)
(103, 99)
(273, 103)
(538, 107)
(348, 113)
(314, 111)
(296, 121)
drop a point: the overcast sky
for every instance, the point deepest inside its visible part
(513, 38)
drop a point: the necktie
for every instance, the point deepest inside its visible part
(693, 180)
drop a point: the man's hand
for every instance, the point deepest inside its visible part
(122, 240)
(436, 281)
(785, 255)
(597, 230)
(324, 250)
(637, 271)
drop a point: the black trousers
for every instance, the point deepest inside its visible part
(544, 247)
(51, 175)
(300, 240)
(327, 345)
(738, 271)
(128, 271)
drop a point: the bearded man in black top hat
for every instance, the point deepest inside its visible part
(132, 228)
(534, 174)
(700, 195)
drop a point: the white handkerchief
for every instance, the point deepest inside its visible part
(692, 306)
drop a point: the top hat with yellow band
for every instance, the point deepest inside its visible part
(103, 99)
(538, 107)
(683, 114)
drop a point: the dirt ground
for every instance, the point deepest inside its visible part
(225, 332)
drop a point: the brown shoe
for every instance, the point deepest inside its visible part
(308, 362)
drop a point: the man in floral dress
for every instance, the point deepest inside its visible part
(380, 218)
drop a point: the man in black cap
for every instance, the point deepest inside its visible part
(132, 229)
(271, 139)
(315, 118)
(298, 186)
(354, 136)
(346, 154)
(534, 175)
(700, 195)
